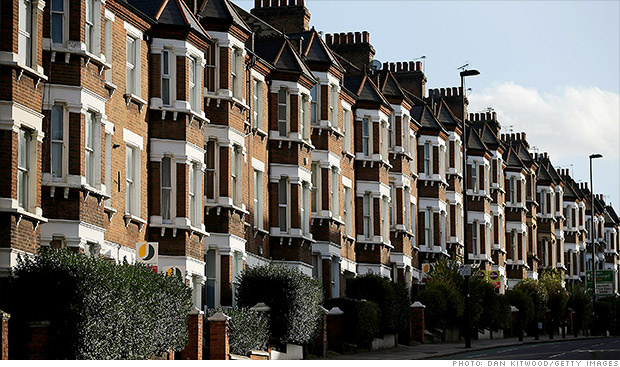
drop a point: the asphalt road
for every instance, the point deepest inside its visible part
(603, 349)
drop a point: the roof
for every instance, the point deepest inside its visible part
(613, 216)
(363, 87)
(511, 157)
(281, 54)
(257, 25)
(223, 11)
(424, 116)
(315, 50)
(488, 137)
(446, 116)
(169, 12)
(474, 141)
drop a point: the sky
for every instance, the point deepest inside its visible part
(548, 68)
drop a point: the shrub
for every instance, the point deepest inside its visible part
(99, 309)
(538, 294)
(455, 302)
(557, 296)
(523, 302)
(295, 300)
(247, 329)
(580, 301)
(389, 296)
(361, 318)
(436, 308)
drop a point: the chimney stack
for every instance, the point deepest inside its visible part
(288, 16)
(355, 47)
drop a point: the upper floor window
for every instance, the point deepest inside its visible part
(108, 49)
(23, 167)
(314, 103)
(305, 208)
(391, 131)
(236, 168)
(428, 227)
(58, 21)
(333, 105)
(475, 237)
(474, 176)
(405, 133)
(89, 26)
(283, 112)
(211, 68)
(385, 228)
(347, 211)
(258, 199)
(235, 72)
(133, 80)
(257, 114)
(304, 129)
(384, 142)
(366, 215)
(392, 205)
(335, 186)
(514, 245)
(91, 145)
(427, 159)
(166, 190)
(283, 205)
(57, 140)
(194, 194)
(211, 171)
(316, 184)
(166, 85)
(194, 84)
(346, 130)
(132, 180)
(366, 136)
(26, 32)
(406, 208)
(512, 191)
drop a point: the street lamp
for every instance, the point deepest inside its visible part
(466, 73)
(593, 156)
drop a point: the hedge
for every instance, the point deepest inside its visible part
(361, 319)
(98, 309)
(295, 300)
(523, 302)
(247, 329)
(392, 299)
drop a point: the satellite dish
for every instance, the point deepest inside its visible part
(376, 65)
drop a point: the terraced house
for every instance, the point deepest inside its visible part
(228, 138)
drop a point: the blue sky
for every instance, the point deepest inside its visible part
(549, 68)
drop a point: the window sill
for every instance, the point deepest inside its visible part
(225, 97)
(76, 48)
(349, 238)
(200, 116)
(434, 250)
(275, 232)
(336, 220)
(129, 218)
(376, 240)
(242, 210)
(20, 213)
(111, 87)
(259, 231)
(327, 126)
(275, 136)
(175, 227)
(347, 154)
(130, 97)
(375, 158)
(260, 132)
(406, 231)
(12, 60)
(109, 211)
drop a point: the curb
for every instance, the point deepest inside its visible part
(513, 344)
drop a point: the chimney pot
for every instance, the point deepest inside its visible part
(358, 37)
(258, 3)
(502, 137)
(301, 2)
(343, 38)
(512, 136)
(418, 65)
(405, 66)
(399, 66)
(460, 91)
(366, 37)
(494, 114)
(412, 66)
(523, 136)
(448, 92)
(328, 38)
(392, 67)
(586, 185)
(443, 92)
(350, 38)
(386, 66)
(488, 116)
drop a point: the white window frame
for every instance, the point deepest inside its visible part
(474, 177)
(346, 130)
(347, 211)
(428, 159)
(215, 149)
(132, 183)
(236, 174)
(367, 217)
(283, 121)
(92, 154)
(212, 81)
(391, 131)
(59, 15)
(316, 187)
(514, 245)
(384, 140)
(475, 238)
(428, 228)
(258, 199)
(392, 205)
(414, 222)
(512, 190)
(333, 104)
(108, 50)
(166, 76)
(60, 141)
(132, 66)
(27, 29)
(334, 188)
(405, 132)
(406, 207)
(213, 277)
(90, 31)
(24, 168)
(304, 126)
(193, 82)
(257, 113)
(194, 194)
(236, 76)
(107, 175)
(315, 112)
(367, 148)
(169, 188)
(305, 208)
(283, 205)
(385, 228)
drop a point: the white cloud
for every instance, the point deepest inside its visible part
(569, 124)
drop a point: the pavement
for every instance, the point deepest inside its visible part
(428, 351)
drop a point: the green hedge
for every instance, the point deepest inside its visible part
(392, 299)
(98, 309)
(247, 329)
(435, 309)
(361, 319)
(523, 302)
(295, 300)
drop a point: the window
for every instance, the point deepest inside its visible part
(513, 245)
(303, 117)
(316, 184)
(442, 161)
(282, 112)
(392, 205)
(405, 133)
(391, 128)
(91, 132)
(57, 141)
(108, 48)
(334, 193)
(346, 127)
(211, 173)
(89, 26)
(132, 199)
(211, 68)
(348, 229)
(132, 58)
(234, 72)
(283, 205)
(474, 237)
(211, 273)
(235, 174)
(541, 202)
(384, 142)
(237, 269)
(427, 159)
(258, 199)
(413, 226)
(333, 105)
(26, 30)
(474, 176)
(166, 190)
(442, 229)
(512, 190)
(543, 246)
(314, 105)
(108, 167)
(194, 194)
(165, 78)
(194, 84)
(406, 207)
(316, 266)
(58, 20)
(385, 228)
(23, 168)
(428, 228)
(412, 152)
(366, 139)
(305, 205)
(258, 105)
(335, 277)
(366, 210)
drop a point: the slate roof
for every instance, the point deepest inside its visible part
(315, 50)
(280, 53)
(257, 25)
(613, 216)
(474, 141)
(169, 12)
(488, 137)
(223, 11)
(424, 116)
(363, 87)
(446, 116)
(511, 157)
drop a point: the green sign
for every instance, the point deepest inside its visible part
(604, 282)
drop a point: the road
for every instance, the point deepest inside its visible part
(603, 349)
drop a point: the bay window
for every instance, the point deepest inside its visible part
(26, 32)
(366, 215)
(283, 112)
(366, 136)
(165, 78)
(57, 142)
(314, 103)
(283, 205)
(334, 193)
(58, 21)
(23, 168)
(89, 26)
(258, 199)
(91, 134)
(316, 184)
(166, 189)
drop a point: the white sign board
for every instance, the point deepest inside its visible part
(147, 253)
(465, 270)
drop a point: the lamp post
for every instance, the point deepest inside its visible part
(593, 156)
(466, 73)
